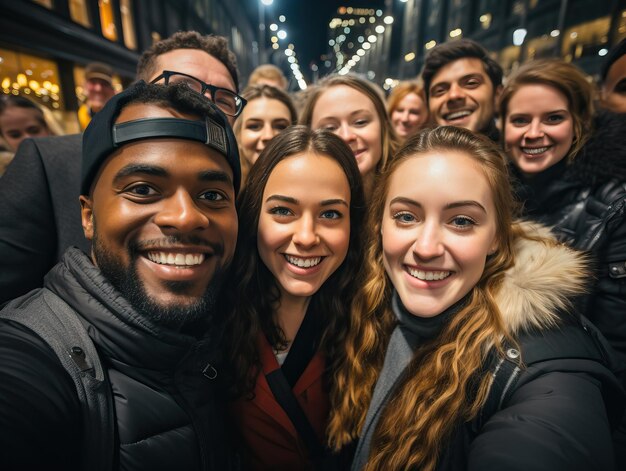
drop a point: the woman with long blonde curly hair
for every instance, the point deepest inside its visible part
(453, 283)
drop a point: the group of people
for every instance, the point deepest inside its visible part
(21, 118)
(230, 281)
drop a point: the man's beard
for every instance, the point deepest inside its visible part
(191, 318)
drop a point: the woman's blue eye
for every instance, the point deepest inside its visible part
(463, 222)
(555, 118)
(404, 217)
(331, 214)
(519, 121)
(280, 211)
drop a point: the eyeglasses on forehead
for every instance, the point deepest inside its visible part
(226, 100)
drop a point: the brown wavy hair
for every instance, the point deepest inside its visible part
(567, 79)
(251, 93)
(389, 140)
(441, 388)
(251, 299)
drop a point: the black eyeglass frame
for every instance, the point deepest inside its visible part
(240, 101)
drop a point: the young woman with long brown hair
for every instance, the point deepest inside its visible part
(298, 250)
(453, 286)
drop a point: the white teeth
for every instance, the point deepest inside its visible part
(458, 114)
(428, 275)
(179, 259)
(534, 150)
(303, 262)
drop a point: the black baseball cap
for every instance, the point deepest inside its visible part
(103, 136)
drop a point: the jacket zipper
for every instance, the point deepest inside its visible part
(613, 210)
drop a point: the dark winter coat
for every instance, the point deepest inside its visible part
(39, 211)
(167, 411)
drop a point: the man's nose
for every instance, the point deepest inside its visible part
(180, 212)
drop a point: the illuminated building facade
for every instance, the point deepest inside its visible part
(579, 31)
(45, 44)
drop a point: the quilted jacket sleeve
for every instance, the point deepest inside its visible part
(555, 421)
(40, 421)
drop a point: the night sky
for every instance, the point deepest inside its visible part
(307, 23)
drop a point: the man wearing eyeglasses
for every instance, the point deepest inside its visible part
(39, 205)
(204, 63)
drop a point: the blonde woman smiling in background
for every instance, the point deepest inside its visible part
(353, 109)
(268, 112)
(407, 109)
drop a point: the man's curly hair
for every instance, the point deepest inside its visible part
(216, 46)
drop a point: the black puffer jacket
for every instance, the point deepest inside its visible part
(585, 204)
(167, 412)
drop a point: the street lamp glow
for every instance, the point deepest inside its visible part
(274, 27)
(380, 29)
(366, 46)
(282, 18)
(388, 20)
(288, 52)
(282, 34)
(518, 36)
(267, 2)
(371, 38)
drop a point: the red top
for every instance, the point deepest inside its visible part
(271, 439)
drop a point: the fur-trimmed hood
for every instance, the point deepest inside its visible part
(546, 275)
